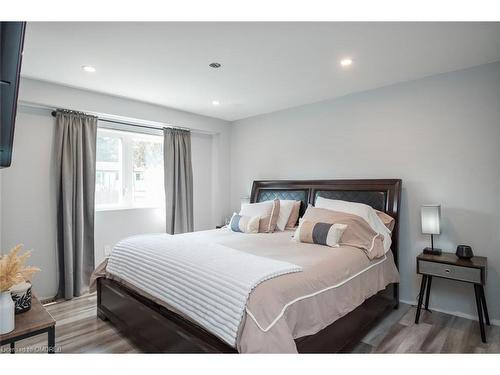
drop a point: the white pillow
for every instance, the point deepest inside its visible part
(359, 209)
(268, 212)
(261, 209)
(286, 207)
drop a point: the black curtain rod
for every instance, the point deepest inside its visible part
(130, 124)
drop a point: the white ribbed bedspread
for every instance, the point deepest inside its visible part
(210, 283)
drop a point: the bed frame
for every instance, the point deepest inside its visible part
(154, 328)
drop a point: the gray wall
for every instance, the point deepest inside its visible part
(27, 198)
(440, 135)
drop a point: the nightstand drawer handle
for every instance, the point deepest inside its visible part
(447, 270)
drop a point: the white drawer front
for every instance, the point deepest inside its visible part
(452, 272)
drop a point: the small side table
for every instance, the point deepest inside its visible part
(31, 323)
(449, 266)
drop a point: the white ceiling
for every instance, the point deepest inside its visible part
(265, 66)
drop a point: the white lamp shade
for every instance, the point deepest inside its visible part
(431, 217)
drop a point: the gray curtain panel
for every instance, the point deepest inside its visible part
(75, 159)
(178, 180)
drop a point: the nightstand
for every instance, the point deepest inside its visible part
(31, 323)
(449, 266)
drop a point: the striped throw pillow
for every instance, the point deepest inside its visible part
(244, 224)
(319, 233)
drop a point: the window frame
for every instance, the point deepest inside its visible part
(127, 172)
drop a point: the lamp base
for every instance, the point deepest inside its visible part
(432, 251)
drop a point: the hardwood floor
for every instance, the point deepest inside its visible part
(78, 330)
(436, 333)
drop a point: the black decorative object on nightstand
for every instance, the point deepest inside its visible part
(449, 266)
(464, 252)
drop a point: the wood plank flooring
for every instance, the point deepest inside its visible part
(78, 330)
(436, 333)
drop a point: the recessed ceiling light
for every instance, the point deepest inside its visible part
(215, 102)
(88, 68)
(215, 65)
(346, 62)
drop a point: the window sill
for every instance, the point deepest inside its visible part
(106, 209)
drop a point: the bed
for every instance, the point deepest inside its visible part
(283, 326)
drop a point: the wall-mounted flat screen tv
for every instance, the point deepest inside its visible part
(11, 51)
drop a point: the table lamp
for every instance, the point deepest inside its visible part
(431, 215)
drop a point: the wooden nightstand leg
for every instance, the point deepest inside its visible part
(420, 297)
(12, 348)
(477, 292)
(485, 308)
(429, 281)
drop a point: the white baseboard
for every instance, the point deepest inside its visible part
(495, 322)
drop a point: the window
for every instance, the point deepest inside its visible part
(129, 170)
(109, 169)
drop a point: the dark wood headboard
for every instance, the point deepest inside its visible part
(383, 195)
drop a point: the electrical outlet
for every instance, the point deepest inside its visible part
(107, 250)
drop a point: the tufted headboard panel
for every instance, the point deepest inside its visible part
(290, 194)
